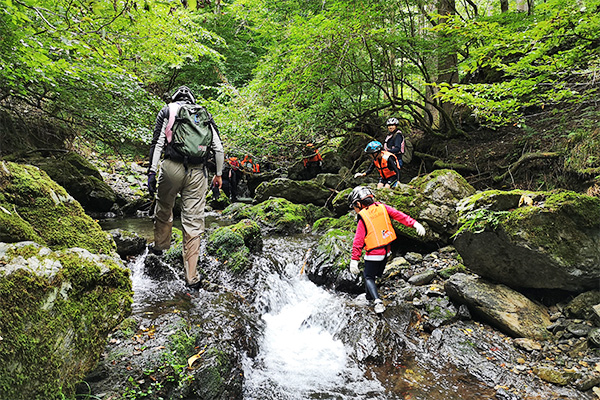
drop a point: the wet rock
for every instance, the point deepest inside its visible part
(156, 268)
(553, 375)
(396, 268)
(499, 305)
(582, 305)
(594, 337)
(302, 192)
(422, 278)
(413, 257)
(588, 381)
(128, 243)
(527, 344)
(579, 329)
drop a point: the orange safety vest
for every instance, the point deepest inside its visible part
(233, 161)
(382, 165)
(315, 158)
(380, 231)
(249, 165)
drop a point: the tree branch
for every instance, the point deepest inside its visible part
(525, 158)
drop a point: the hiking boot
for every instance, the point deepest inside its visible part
(154, 250)
(194, 286)
(379, 307)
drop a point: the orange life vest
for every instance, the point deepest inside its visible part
(379, 226)
(249, 165)
(382, 165)
(315, 158)
(233, 161)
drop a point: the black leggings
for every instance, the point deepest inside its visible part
(373, 269)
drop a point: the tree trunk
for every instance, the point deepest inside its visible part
(447, 60)
(504, 5)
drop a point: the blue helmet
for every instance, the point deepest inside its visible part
(373, 147)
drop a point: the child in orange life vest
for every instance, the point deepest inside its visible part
(375, 233)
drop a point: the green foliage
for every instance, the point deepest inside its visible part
(530, 61)
(479, 220)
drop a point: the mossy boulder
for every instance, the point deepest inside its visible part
(34, 207)
(329, 260)
(532, 240)
(56, 311)
(430, 199)
(250, 232)
(80, 178)
(231, 245)
(275, 215)
(301, 192)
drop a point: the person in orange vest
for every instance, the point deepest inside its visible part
(235, 176)
(386, 163)
(374, 233)
(249, 166)
(312, 161)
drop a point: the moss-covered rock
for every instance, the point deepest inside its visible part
(34, 207)
(229, 248)
(275, 215)
(250, 232)
(302, 192)
(329, 261)
(56, 310)
(537, 240)
(346, 222)
(80, 178)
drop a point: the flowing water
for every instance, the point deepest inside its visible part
(300, 355)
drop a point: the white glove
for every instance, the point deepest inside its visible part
(354, 267)
(419, 228)
(358, 174)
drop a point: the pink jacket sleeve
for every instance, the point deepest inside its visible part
(359, 240)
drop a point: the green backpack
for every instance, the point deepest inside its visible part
(191, 135)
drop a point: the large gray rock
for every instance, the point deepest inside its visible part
(553, 243)
(500, 306)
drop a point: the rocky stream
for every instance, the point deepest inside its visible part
(279, 316)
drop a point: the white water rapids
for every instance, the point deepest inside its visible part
(299, 355)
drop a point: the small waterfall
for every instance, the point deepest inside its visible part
(299, 356)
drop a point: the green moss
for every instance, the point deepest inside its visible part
(42, 211)
(346, 222)
(229, 248)
(334, 247)
(448, 272)
(279, 215)
(250, 231)
(54, 329)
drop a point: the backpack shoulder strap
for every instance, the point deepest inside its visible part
(173, 109)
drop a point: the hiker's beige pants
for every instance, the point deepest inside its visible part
(192, 185)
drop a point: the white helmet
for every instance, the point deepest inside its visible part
(183, 93)
(392, 121)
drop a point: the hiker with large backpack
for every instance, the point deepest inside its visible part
(185, 133)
